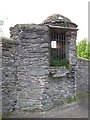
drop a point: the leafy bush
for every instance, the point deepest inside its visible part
(71, 99)
(83, 49)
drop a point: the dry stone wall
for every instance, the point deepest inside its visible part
(35, 88)
(82, 76)
(71, 38)
(32, 60)
(28, 81)
(9, 76)
(0, 76)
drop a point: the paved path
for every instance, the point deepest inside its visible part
(74, 110)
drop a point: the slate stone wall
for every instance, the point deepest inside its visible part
(82, 76)
(32, 60)
(72, 50)
(9, 76)
(28, 80)
(0, 76)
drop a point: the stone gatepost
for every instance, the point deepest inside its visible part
(32, 60)
(72, 47)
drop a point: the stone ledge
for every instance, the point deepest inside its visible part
(58, 71)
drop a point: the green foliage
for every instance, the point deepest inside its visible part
(0, 117)
(71, 99)
(55, 62)
(83, 49)
(82, 95)
(8, 114)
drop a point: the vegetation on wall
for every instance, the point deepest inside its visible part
(56, 62)
(83, 49)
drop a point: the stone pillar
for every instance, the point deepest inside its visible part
(72, 48)
(32, 60)
(68, 37)
(71, 36)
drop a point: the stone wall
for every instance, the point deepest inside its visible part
(32, 60)
(82, 76)
(8, 75)
(35, 88)
(0, 76)
(28, 80)
(71, 38)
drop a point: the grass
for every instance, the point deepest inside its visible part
(71, 99)
(0, 117)
(6, 114)
(57, 63)
(76, 98)
(82, 95)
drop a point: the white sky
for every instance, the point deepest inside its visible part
(35, 11)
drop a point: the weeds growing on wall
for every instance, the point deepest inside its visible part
(57, 63)
(71, 99)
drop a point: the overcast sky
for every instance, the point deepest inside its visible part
(35, 11)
